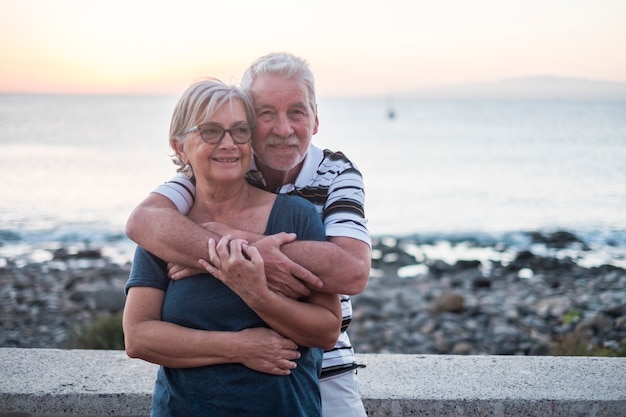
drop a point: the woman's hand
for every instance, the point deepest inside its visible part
(266, 351)
(237, 265)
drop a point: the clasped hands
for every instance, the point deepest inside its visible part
(238, 256)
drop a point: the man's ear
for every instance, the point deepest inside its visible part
(317, 121)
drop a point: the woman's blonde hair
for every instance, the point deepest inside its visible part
(199, 102)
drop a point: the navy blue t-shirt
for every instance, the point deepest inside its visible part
(204, 302)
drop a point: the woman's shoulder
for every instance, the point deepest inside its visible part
(295, 214)
(294, 202)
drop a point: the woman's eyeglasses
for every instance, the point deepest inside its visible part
(213, 133)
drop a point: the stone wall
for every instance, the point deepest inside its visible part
(62, 383)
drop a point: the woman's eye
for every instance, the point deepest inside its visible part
(242, 130)
(212, 132)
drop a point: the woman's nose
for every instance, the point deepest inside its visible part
(227, 140)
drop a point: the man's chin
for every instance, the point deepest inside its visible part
(284, 164)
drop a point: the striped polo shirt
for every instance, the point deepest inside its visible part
(335, 186)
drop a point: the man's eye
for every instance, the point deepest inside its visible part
(265, 115)
(298, 114)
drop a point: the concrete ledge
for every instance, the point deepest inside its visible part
(51, 382)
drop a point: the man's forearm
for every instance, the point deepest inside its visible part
(157, 226)
(343, 264)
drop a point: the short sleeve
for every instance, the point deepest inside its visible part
(180, 190)
(147, 271)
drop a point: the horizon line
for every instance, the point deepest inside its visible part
(445, 89)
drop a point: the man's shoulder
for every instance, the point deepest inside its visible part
(335, 161)
(324, 166)
(335, 155)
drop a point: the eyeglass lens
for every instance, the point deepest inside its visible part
(215, 133)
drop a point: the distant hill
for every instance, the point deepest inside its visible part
(552, 88)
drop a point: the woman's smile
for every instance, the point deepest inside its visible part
(226, 160)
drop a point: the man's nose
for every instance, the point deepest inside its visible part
(283, 127)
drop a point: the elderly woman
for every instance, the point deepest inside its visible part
(227, 345)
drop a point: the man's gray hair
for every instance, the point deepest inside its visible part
(285, 65)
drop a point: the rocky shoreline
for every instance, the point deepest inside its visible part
(519, 304)
(45, 304)
(495, 300)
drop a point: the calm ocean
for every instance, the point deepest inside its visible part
(73, 167)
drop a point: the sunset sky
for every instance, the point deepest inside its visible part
(355, 47)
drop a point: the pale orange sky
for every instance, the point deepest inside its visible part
(355, 47)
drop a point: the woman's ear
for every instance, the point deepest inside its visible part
(179, 150)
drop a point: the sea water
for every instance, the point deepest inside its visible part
(73, 167)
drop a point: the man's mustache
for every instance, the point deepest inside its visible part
(278, 141)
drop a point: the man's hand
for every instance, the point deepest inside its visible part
(177, 272)
(283, 275)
